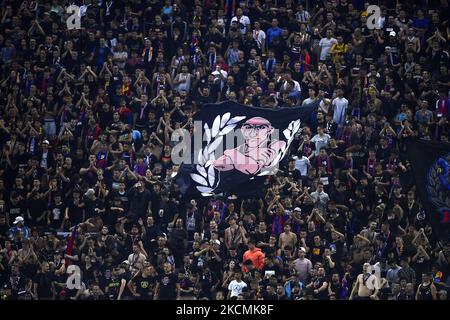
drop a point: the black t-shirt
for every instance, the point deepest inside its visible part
(145, 286)
(261, 237)
(425, 292)
(207, 280)
(113, 285)
(44, 288)
(16, 210)
(75, 212)
(167, 288)
(316, 253)
(91, 206)
(21, 159)
(269, 296)
(295, 174)
(90, 177)
(3, 230)
(317, 283)
(69, 173)
(139, 202)
(404, 296)
(337, 289)
(57, 214)
(124, 200)
(127, 277)
(215, 265)
(169, 210)
(274, 267)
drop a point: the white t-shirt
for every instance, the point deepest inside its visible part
(339, 108)
(186, 85)
(325, 46)
(236, 287)
(296, 85)
(321, 141)
(302, 17)
(377, 269)
(307, 101)
(44, 161)
(259, 36)
(216, 75)
(321, 199)
(243, 22)
(121, 55)
(302, 165)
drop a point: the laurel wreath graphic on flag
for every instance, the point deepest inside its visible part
(436, 194)
(206, 176)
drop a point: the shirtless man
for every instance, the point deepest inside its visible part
(287, 238)
(235, 234)
(256, 153)
(366, 285)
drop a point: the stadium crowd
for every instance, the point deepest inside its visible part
(86, 177)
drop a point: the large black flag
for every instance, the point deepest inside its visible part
(430, 163)
(239, 147)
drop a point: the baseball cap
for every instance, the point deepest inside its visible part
(89, 192)
(216, 242)
(45, 142)
(302, 249)
(18, 219)
(298, 209)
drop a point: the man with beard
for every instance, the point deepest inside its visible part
(319, 285)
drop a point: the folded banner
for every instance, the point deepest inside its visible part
(430, 162)
(235, 147)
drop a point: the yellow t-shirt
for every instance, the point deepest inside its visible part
(338, 50)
